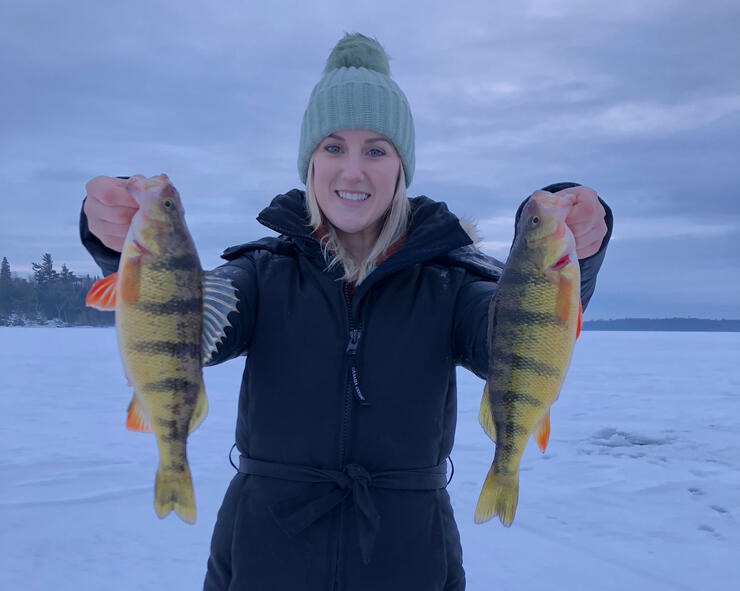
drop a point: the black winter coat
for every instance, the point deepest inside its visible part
(339, 395)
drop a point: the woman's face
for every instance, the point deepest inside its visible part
(354, 179)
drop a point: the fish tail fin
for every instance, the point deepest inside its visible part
(173, 491)
(200, 410)
(499, 496)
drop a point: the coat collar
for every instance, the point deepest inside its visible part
(431, 227)
(433, 231)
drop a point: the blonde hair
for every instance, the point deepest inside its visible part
(394, 223)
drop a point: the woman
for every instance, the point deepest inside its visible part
(354, 320)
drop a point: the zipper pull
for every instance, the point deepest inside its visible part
(354, 338)
(356, 388)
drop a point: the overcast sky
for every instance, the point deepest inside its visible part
(639, 99)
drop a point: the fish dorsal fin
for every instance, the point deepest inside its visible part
(219, 298)
(485, 414)
(102, 295)
(200, 410)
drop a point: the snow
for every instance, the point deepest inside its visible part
(639, 487)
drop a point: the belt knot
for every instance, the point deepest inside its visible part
(358, 475)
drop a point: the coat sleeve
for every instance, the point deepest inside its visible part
(470, 327)
(470, 338)
(240, 271)
(106, 258)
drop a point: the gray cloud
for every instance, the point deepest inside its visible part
(640, 100)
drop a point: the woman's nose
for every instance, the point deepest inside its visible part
(352, 170)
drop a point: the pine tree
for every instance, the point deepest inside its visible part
(5, 270)
(65, 295)
(6, 287)
(45, 281)
(44, 273)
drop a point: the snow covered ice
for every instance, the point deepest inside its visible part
(639, 487)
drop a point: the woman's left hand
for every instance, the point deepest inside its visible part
(586, 220)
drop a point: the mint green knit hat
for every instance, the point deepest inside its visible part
(356, 92)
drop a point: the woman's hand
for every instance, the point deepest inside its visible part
(586, 220)
(109, 209)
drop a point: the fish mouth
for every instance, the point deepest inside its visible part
(561, 262)
(142, 248)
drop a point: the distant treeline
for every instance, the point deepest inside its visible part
(664, 324)
(52, 296)
(48, 296)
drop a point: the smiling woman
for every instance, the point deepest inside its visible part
(353, 321)
(356, 197)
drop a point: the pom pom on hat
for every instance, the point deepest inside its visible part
(356, 50)
(357, 92)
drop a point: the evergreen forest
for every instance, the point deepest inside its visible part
(48, 296)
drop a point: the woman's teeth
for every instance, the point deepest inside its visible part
(353, 196)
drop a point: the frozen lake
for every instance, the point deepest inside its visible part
(639, 488)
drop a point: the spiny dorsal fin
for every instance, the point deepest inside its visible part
(219, 298)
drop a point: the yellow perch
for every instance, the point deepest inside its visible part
(163, 301)
(535, 318)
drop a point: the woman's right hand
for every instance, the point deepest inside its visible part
(109, 209)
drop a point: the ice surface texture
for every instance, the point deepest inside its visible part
(639, 488)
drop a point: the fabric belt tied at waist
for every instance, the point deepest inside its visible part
(296, 513)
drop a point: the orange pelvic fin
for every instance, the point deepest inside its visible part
(542, 432)
(131, 280)
(580, 318)
(138, 419)
(102, 295)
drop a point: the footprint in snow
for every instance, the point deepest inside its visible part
(710, 530)
(611, 437)
(720, 510)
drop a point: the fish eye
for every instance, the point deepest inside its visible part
(534, 220)
(167, 203)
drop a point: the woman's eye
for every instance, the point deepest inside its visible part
(375, 152)
(333, 149)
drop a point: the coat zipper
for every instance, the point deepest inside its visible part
(353, 381)
(353, 388)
